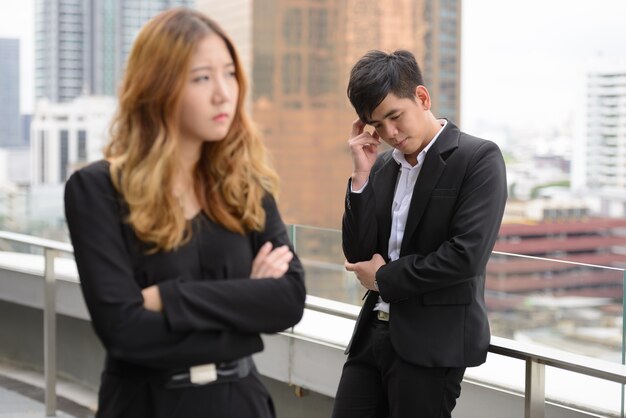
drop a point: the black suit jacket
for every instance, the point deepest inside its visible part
(436, 288)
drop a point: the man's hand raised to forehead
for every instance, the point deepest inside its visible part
(364, 149)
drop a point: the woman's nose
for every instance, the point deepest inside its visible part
(221, 92)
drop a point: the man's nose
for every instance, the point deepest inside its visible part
(389, 131)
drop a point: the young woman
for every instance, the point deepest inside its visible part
(182, 254)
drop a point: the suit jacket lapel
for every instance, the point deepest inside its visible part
(429, 175)
(384, 185)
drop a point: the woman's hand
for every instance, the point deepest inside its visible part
(271, 263)
(152, 299)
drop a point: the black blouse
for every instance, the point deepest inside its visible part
(213, 312)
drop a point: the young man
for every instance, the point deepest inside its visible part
(419, 225)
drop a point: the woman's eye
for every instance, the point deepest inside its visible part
(201, 79)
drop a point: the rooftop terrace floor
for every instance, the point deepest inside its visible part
(20, 398)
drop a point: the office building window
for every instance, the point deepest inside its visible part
(82, 145)
(42, 157)
(63, 157)
(292, 69)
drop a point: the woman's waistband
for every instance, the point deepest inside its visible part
(203, 374)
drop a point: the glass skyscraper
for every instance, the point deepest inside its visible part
(10, 93)
(81, 45)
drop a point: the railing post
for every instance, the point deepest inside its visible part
(49, 333)
(535, 393)
(292, 235)
(623, 337)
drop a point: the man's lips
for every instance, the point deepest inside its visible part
(400, 143)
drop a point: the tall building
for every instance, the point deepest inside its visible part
(601, 159)
(10, 93)
(59, 49)
(81, 45)
(299, 55)
(66, 136)
(442, 60)
(25, 121)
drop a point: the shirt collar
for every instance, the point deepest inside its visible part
(399, 156)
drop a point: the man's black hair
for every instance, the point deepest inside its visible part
(377, 74)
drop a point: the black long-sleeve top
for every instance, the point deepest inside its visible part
(213, 311)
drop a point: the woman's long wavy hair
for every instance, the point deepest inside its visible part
(231, 176)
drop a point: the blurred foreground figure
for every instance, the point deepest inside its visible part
(183, 257)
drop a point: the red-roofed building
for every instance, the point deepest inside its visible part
(580, 252)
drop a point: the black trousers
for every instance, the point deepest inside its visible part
(377, 383)
(140, 398)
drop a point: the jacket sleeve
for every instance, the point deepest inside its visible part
(359, 228)
(127, 330)
(259, 305)
(473, 231)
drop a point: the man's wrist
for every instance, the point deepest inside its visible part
(359, 178)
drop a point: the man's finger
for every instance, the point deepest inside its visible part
(364, 139)
(349, 266)
(357, 127)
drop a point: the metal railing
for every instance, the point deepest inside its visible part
(536, 358)
(50, 251)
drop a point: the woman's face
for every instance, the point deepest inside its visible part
(209, 99)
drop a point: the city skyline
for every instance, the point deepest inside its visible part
(517, 69)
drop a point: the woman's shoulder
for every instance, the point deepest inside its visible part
(97, 171)
(95, 176)
(98, 168)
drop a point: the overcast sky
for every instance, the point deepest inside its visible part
(523, 62)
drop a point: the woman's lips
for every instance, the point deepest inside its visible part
(220, 117)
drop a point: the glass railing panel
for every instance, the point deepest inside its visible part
(575, 305)
(320, 251)
(592, 395)
(569, 306)
(36, 211)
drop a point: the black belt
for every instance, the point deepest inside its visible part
(380, 319)
(211, 374)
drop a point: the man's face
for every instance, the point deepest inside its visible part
(405, 123)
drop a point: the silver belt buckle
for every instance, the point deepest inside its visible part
(382, 316)
(205, 373)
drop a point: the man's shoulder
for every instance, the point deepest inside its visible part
(470, 139)
(472, 142)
